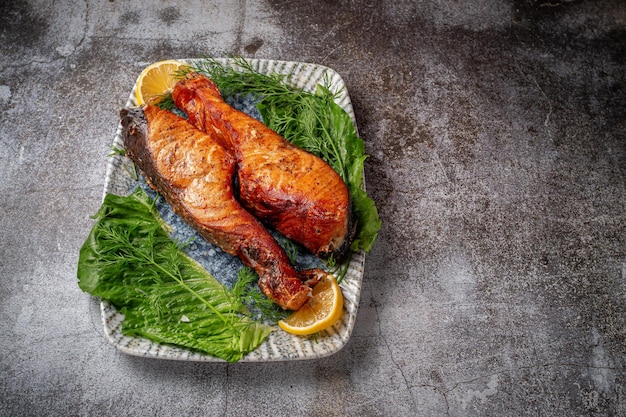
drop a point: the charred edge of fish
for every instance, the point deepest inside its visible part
(341, 252)
(134, 124)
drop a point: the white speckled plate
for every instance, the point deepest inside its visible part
(279, 346)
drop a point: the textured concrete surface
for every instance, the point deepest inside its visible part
(497, 137)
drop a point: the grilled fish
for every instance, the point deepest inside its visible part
(286, 187)
(195, 176)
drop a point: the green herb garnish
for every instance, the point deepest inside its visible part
(247, 290)
(117, 151)
(166, 102)
(130, 260)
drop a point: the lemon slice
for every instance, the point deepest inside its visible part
(322, 310)
(156, 80)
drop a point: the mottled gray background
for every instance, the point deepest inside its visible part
(496, 131)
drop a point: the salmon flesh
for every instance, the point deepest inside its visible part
(290, 189)
(194, 174)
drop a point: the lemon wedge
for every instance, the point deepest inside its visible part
(157, 80)
(322, 310)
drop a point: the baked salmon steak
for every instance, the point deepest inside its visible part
(286, 187)
(195, 174)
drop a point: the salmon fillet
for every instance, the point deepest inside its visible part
(194, 174)
(290, 189)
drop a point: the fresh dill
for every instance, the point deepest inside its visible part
(166, 102)
(129, 166)
(340, 269)
(130, 260)
(117, 151)
(291, 249)
(247, 290)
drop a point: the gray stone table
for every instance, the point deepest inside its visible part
(497, 143)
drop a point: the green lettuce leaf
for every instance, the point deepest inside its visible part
(166, 296)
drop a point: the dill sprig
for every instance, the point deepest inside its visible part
(247, 290)
(130, 260)
(166, 102)
(242, 78)
(339, 269)
(117, 151)
(291, 249)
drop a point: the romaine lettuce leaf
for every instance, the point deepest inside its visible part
(129, 260)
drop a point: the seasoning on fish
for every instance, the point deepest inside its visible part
(290, 189)
(194, 174)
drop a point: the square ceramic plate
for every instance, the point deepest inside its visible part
(279, 346)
